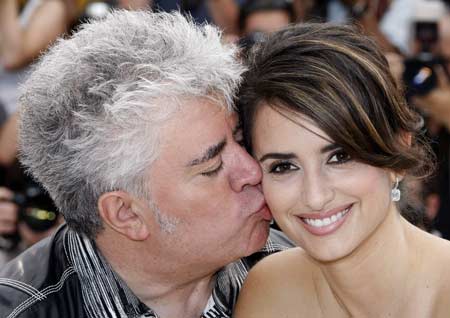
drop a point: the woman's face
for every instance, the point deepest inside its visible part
(326, 202)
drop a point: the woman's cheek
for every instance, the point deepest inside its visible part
(281, 194)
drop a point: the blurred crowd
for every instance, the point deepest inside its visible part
(414, 34)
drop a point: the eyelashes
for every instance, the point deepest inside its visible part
(340, 156)
(280, 167)
(213, 172)
(238, 138)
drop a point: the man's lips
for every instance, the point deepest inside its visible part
(264, 211)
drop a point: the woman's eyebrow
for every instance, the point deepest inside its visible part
(290, 155)
(278, 155)
(330, 147)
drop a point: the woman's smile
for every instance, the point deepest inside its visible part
(325, 223)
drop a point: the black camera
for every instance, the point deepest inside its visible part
(36, 208)
(419, 75)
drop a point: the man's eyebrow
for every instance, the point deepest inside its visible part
(210, 153)
(277, 155)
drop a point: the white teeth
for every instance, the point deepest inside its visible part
(326, 221)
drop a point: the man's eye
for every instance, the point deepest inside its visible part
(282, 167)
(339, 157)
(213, 172)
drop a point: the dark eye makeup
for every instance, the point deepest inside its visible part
(282, 167)
(339, 156)
(279, 167)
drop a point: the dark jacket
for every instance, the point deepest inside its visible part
(48, 281)
(41, 283)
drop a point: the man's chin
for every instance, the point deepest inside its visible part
(258, 237)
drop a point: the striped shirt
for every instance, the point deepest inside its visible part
(105, 294)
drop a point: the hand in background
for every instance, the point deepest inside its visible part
(19, 45)
(437, 102)
(8, 212)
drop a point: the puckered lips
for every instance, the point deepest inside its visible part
(264, 212)
(325, 223)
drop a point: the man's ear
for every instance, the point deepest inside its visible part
(120, 212)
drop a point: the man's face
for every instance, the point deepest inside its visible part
(208, 186)
(266, 21)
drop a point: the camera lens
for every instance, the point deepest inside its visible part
(419, 76)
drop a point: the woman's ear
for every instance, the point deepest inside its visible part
(119, 211)
(406, 138)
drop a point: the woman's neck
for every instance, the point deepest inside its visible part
(375, 279)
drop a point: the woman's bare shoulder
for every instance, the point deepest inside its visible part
(438, 285)
(293, 259)
(287, 265)
(280, 283)
(434, 277)
(436, 254)
(440, 262)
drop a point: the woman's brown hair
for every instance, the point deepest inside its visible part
(339, 78)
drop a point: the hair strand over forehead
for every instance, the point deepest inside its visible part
(340, 79)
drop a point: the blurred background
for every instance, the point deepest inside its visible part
(414, 34)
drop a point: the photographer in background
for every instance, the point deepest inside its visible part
(264, 16)
(424, 75)
(27, 214)
(260, 17)
(436, 101)
(387, 21)
(436, 106)
(8, 226)
(27, 27)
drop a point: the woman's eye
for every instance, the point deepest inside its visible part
(339, 157)
(282, 167)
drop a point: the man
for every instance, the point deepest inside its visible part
(129, 126)
(436, 105)
(265, 16)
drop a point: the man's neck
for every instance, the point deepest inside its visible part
(169, 291)
(187, 300)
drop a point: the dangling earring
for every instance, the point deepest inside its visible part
(395, 192)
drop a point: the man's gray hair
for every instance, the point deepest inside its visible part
(92, 108)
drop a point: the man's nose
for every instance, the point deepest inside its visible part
(246, 171)
(317, 191)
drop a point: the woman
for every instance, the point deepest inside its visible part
(334, 138)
